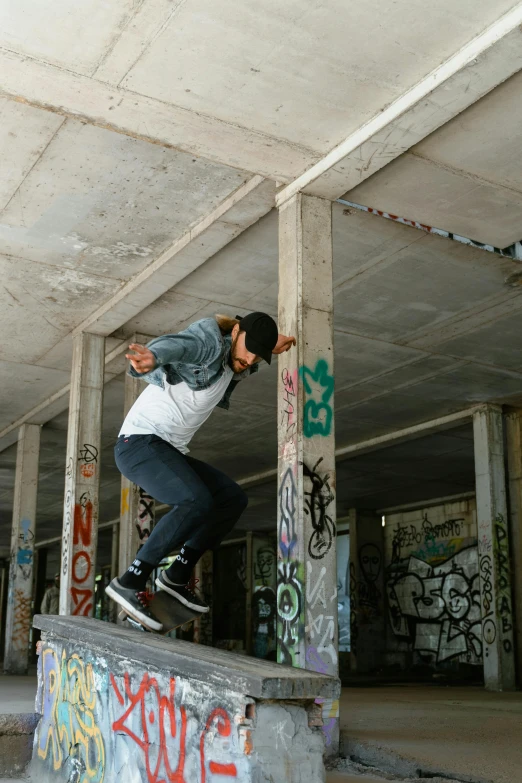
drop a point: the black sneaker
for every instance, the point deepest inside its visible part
(183, 593)
(136, 603)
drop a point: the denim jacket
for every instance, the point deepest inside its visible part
(198, 356)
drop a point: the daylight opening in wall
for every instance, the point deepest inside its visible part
(383, 521)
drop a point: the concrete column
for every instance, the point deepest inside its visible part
(307, 573)
(493, 550)
(367, 610)
(204, 572)
(20, 595)
(82, 476)
(137, 513)
(513, 422)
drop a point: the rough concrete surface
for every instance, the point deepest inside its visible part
(464, 734)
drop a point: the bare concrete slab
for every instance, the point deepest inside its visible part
(464, 734)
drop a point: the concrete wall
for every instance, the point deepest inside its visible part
(108, 718)
(432, 586)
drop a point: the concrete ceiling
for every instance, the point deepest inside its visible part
(141, 144)
(466, 177)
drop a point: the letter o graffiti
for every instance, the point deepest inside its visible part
(80, 579)
(288, 602)
(507, 645)
(489, 632)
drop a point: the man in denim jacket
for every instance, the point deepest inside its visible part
(189, 374)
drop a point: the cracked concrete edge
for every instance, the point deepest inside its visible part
(18, 723)
(381, 761)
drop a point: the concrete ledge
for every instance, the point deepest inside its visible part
(117, 705)
(259, 679)
(16, 742)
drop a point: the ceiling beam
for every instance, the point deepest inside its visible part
(59, 401)
(95, 102)
(482, 64)
(242, 208)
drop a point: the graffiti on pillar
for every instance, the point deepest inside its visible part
(68, 732)
(504, 607)
(290, 606)
(437, 608)
(317, 504)
(67, 523)
(264, 611)
(145, 520)
(82, 565)
(21, 620)
(88, 459)
(24, 551)
(321, 624)
(289, 398)
(319, 387)
(287, 514)
(290, 611)
(369, 596)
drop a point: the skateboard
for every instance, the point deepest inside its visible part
(171, 613)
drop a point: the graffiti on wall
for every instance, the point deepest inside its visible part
(97, 724)
(369, 596)
(264, 610)
(68, 732)
(290, 606)
(437, 608)
(319, 387)
(430, 541)
(158, 725)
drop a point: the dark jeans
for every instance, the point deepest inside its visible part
(206, 504)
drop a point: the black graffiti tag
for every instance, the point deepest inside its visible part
(88, 454)
(317, 502)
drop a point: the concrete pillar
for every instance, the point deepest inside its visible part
(513, 422)
(307, 573)
(493, 550)
(137, 513)
(20, 595)
(204, 573)
(367, 609)
(82, 476)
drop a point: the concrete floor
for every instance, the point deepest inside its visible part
(405, 731)
(463, 733)
(17, 694)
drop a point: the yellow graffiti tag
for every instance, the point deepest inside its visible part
(68, 727)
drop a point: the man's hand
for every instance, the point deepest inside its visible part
(284, 344)
(142, 359)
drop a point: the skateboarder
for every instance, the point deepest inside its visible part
(189, 374)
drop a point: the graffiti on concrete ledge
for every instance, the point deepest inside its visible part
(68, 732)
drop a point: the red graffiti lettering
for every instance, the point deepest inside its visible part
(156, 722)
(82, 523)
(223, 727)
(82, 607)
(150, 721)
(84, 570)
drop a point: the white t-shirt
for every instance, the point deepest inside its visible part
(174, 413)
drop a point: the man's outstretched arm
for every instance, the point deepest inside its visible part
(283, 344)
